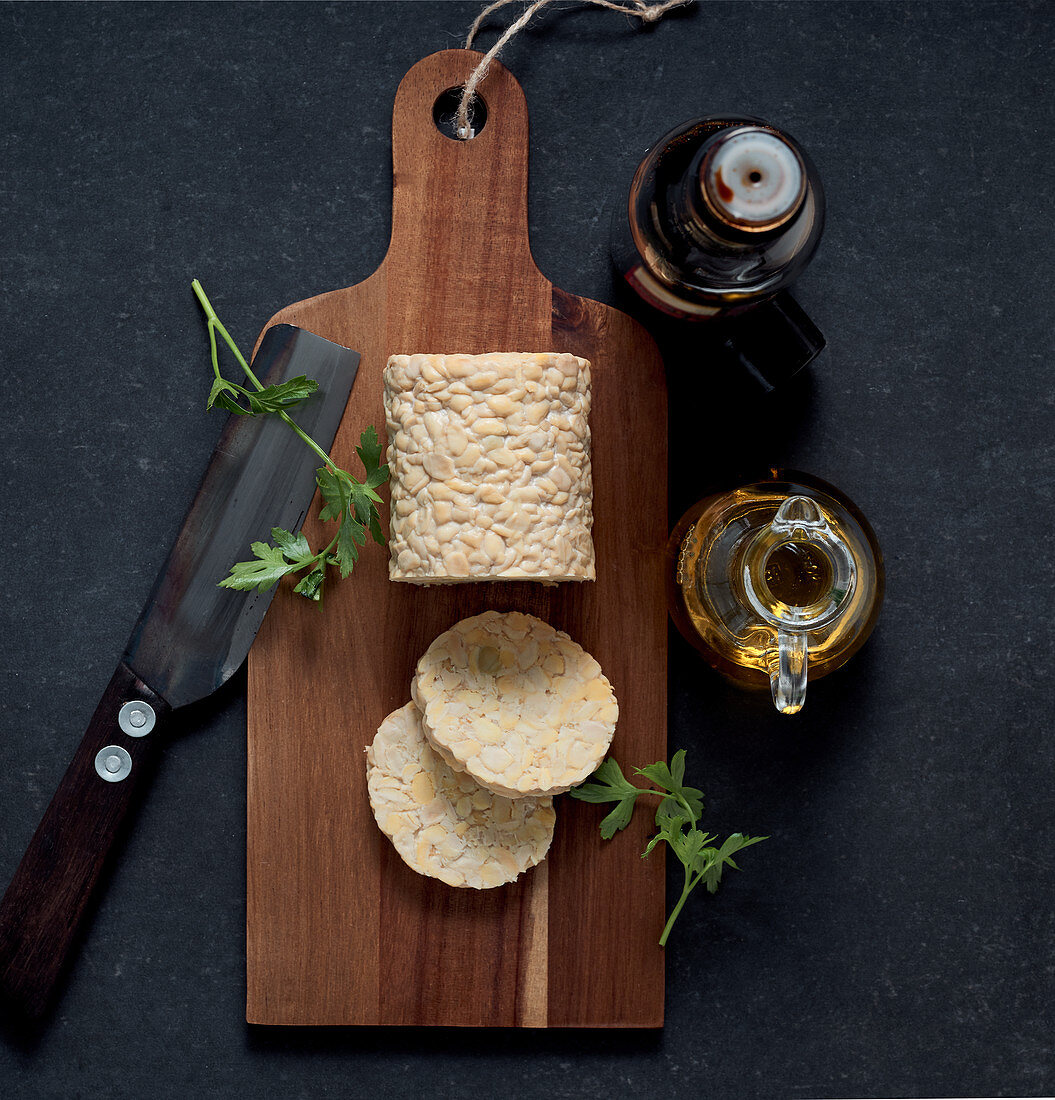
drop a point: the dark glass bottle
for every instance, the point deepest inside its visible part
(722, 216)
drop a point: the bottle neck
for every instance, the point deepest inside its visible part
(744, 182)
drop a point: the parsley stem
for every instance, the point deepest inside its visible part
(688, 888)
(307, 439)
(216, 325)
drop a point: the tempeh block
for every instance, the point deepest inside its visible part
(490, 467)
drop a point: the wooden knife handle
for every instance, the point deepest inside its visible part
(46, 900)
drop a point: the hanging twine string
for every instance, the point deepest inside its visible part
(640, 9)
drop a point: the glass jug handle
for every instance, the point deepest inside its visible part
(787, 674)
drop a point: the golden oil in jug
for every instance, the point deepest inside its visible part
(776, 582)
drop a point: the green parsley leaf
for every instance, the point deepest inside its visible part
(311, 585)
(334, 492)
(350, 536)
(677, 767)
(375, 527)
(284, 395)
(225, 395)
(295, 547)
(610, 786)
(711, 861)
(352, 504)
(659, 773)
(679, 809)
(363, 501)
(670, 779)
(369, 450)
(268, 567)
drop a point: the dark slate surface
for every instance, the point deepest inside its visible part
(895, 936)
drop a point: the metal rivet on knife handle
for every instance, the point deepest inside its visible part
(136, 718)
(113, 764)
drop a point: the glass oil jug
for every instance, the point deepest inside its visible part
(776, 582)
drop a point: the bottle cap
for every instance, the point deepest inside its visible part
(752, 179)
(771, 342)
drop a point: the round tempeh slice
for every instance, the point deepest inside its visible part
(441, 821)
(516, 704)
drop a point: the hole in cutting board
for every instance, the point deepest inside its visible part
(446, 107)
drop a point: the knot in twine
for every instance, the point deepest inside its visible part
(640, 9)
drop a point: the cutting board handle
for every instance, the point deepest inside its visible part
(476, 189)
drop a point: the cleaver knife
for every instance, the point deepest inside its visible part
(190, 638)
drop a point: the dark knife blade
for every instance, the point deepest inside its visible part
(192, 635)
(190, 638)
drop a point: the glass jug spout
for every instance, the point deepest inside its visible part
(798, 576)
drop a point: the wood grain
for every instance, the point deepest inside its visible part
(339, 931)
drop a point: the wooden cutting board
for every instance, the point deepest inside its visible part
(339, 930)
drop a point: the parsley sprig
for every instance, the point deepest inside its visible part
(348, 501)
(679, 809)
